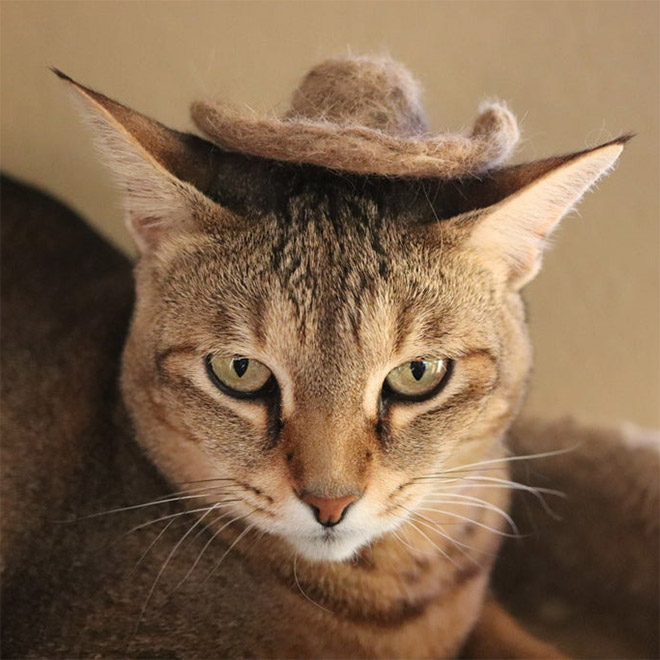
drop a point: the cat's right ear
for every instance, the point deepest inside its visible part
(515, 209)
(162, 172)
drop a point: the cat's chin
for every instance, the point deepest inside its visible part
(331, 547)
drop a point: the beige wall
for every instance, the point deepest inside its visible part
(577, 73)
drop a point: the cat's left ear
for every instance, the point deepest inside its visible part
(512, 233)
(162, 172)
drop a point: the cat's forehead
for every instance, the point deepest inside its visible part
(323, 267)
(328, 274)
(320, 245)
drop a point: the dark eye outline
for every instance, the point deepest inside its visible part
(267, 391)
(388, 395)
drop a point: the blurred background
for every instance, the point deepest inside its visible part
(575, 73)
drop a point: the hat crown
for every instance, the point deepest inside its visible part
(369, 92)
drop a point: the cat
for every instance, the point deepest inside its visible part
(323, 365)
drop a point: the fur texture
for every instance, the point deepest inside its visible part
(331, 280)
(587, 573)
(52, 331)
(68, 589)
(363, 115)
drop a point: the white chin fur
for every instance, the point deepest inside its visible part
(334, 547)
(296, 525)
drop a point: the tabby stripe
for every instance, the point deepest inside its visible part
(163, 356)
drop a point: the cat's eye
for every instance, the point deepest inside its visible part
(418, 380)
(239, 376)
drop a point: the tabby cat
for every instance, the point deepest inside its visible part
(324, 365)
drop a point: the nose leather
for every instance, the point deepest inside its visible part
(329, 511)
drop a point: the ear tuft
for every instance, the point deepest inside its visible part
(514, 232)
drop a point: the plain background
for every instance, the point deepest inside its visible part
(576, 74)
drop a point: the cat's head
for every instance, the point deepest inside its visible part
(315, 343)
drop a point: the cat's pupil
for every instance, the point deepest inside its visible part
(240, 365)
(417, 369)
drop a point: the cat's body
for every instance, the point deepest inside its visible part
(77, 587)
(91, 606)
(69, 589)
(342, 507)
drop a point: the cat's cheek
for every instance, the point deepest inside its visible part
(518, 359)
(179, 459)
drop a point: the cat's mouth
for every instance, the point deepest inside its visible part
(330, 545)
(337, 543)
(331, 535)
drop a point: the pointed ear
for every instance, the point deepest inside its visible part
(161, 171)
(513, 232)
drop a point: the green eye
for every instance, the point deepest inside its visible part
(419, 379)
(238, 376)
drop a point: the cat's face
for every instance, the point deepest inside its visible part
(330, 300)
(309, 347)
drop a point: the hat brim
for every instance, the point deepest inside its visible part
(359, 149)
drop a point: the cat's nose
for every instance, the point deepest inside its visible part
(329, 511)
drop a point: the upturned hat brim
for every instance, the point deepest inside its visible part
(361, 149)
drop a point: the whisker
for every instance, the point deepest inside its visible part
(256, 540)
(437, 527)
(171, 515)
(460, 546)
(478, 502)
(410, 547)
(407, 545)
(148, 550)
(165, 564)
(229, 549)
(458, 470)
(515, 485)
(528, 457)
(426, 552)
(471, 521)
(206, 545)
(199, 481)
(405, 530)
(229, 488)
(131, 508)
(203, 529)
(295, 577)
(435, 545)
(536, 492)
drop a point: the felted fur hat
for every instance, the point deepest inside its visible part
(362, 115)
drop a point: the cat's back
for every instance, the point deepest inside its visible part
(66, 296)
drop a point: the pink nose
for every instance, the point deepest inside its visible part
(329, 512)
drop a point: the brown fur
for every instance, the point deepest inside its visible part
(69, 589)
(50, 357)
(588, 575)
(498, 635)
(332, 280)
